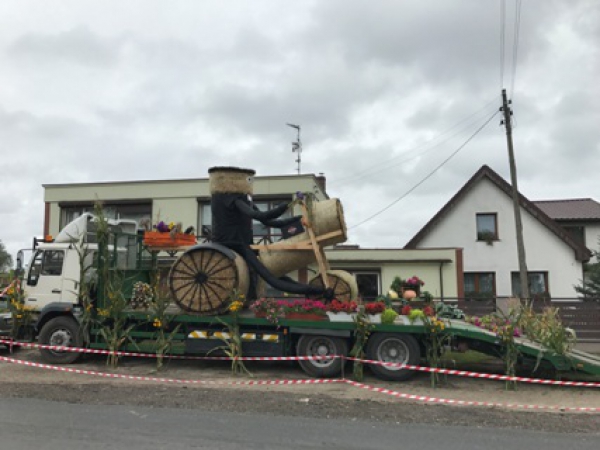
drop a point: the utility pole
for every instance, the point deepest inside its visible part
(515, 196)
(297, 145)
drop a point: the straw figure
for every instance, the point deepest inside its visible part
(232, 215)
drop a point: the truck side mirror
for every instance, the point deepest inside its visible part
(20, 261)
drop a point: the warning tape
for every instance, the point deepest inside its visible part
(453, 372)
(92, 351)
(448, 401)
(488, 376)
(168, 380)
(413, 397)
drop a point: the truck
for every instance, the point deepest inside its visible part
(80, 257)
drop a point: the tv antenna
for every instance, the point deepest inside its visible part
(297, 145)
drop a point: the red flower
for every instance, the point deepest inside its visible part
(428, 311)
(374, 308)
(406, 309)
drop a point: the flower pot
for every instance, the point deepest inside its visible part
(374, 318)
(341, 316)
(304, 316)
(404, 320)
(166, 240)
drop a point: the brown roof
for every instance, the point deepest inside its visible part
(570, 209)
(582, 253)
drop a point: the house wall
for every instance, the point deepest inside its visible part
(544, 250)
(172, 200)
(592, 239)
(438, 268)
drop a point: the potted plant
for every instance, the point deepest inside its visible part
(388, 316)
(374, 310)
(339, 311)
(488, 236)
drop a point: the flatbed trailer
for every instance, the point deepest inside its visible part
(390, 343)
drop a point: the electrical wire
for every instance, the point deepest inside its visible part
(385, 165)
(502, 40)
(515, 45)
(429, 175)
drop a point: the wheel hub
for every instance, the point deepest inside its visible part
(201, 278)
(61, 338)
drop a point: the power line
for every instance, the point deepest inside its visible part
(515, 45)
(502, 40)
(385, 165)
(429, 175)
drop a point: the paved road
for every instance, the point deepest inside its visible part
(30, 424)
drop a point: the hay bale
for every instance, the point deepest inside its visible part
(203, 280)
(343, 284)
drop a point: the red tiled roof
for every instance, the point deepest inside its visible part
(570, 209)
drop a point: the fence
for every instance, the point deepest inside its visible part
(582, 316)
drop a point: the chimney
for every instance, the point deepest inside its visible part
(322, 182)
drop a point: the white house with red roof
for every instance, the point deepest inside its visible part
(479, 218)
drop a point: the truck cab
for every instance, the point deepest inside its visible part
(53, 276)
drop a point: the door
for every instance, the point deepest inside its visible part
(44, 283)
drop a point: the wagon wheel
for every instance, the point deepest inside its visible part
(343, 284)
(202, 280)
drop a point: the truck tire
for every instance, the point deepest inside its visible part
(393, 348)
(60, 331)
(316, 345)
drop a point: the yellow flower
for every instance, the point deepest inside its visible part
(236, 306)
(157, 323)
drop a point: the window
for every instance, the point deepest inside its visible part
(368, 284)
(261, 232)
(368, 281)
(131, 211)
(537, 281)
(46, 262)
(480, 285)
(487, 227)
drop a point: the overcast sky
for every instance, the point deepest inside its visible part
(385, 91)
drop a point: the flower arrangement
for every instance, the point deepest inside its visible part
(307, 306)
(406, 309)
(269, 308)
(375, 308)
(414, 281)
(337, 306)
(142, 295)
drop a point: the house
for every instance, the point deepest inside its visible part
(188, 201)
(479, 218)
(579, 216)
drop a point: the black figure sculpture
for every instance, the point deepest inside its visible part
(232, 215)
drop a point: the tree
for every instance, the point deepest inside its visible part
(5, 259)
(589, 288)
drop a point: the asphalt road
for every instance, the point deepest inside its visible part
(39, 424)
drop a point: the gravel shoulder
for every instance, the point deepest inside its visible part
(336, 400)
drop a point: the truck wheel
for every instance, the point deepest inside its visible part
(60, 331)
(393, 348)
(320, 346)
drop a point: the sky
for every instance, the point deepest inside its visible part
(392, 98)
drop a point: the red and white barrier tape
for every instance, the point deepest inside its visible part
(167, 380)
(487, 376)
(448, 401)
(153, 355)
(454, 372)
(418, 398)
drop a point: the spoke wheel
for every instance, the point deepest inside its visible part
(343, 284)
(321, 347)
(202, 280)
(393, 348)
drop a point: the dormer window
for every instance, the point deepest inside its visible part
(487, 227)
